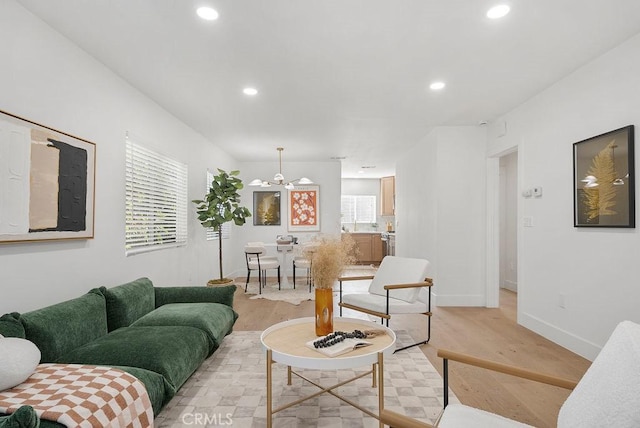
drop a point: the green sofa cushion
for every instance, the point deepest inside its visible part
(10, 325)
(175, 352)
(128, 302)
(222, 295)
(24, 417)
(62, 327)
(215, 319)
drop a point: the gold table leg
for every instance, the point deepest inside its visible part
(377, 368)
(269, 392)
(380, 387)
(373, 376)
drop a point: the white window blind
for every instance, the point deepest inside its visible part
(226, 228)
(156, 200)
(358, 208)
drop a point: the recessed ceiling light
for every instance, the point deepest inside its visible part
(250, 91)
(498, 11)
(436, 86)
(207, 13)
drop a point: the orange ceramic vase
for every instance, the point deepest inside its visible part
(324, 311)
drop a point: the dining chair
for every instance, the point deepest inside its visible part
(301, 262)
(256, 259)
(304, 260)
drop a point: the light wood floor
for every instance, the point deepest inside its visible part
(483, 332)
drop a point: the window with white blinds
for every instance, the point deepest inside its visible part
(226, 228)
(156, 200)
(358, 208)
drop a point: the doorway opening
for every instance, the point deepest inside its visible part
(508, 233)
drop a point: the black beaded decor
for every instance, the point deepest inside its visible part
(337, 337)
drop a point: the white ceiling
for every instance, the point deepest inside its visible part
(338, 77)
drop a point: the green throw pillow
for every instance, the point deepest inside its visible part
(10, 325)
(24, 417)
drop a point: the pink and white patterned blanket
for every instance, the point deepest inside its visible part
(82, 396)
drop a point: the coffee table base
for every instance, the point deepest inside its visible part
(377, 368)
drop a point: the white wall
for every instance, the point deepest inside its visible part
(596, 270)
(46, 79)
(326, 175)
(441, 204)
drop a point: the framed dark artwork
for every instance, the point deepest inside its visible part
(604, 180)
(266, 208)
(47, 182)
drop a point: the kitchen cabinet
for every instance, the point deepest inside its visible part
(377, 252)
(387, 195)
(369, 247)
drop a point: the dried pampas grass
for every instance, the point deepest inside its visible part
(329, 256)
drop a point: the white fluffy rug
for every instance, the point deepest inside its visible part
(230, 387)
(289, 295)
(301, 293)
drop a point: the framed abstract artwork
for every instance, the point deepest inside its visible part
(266, 208)
(304, 209)
(47, 182)
(604, 180)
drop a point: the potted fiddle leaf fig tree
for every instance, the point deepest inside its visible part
(219, 206)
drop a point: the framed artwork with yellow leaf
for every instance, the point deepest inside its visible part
(604, 180)
(266, 208)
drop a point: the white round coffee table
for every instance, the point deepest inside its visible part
(285, 343)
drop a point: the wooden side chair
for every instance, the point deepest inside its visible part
(608, 395)
(399, 286)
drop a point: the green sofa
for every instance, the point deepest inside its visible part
(161, 335)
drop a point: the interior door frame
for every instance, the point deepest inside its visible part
(493, 225)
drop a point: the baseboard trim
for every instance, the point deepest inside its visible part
(510, 285)
(576, 344)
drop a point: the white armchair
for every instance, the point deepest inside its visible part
(608, 395)
(399, 286)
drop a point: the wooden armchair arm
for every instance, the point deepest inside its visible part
(397, 420)
(507, 369)
(428, 282)
(354, 278)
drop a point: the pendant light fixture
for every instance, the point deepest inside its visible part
(279, 180)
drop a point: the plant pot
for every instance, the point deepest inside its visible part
(218, 282)
(324, 311)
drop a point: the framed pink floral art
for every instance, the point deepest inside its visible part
(304, 209)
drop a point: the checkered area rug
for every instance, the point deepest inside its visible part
(230, 389)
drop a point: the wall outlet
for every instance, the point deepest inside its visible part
(527, 221)
(562, 297)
